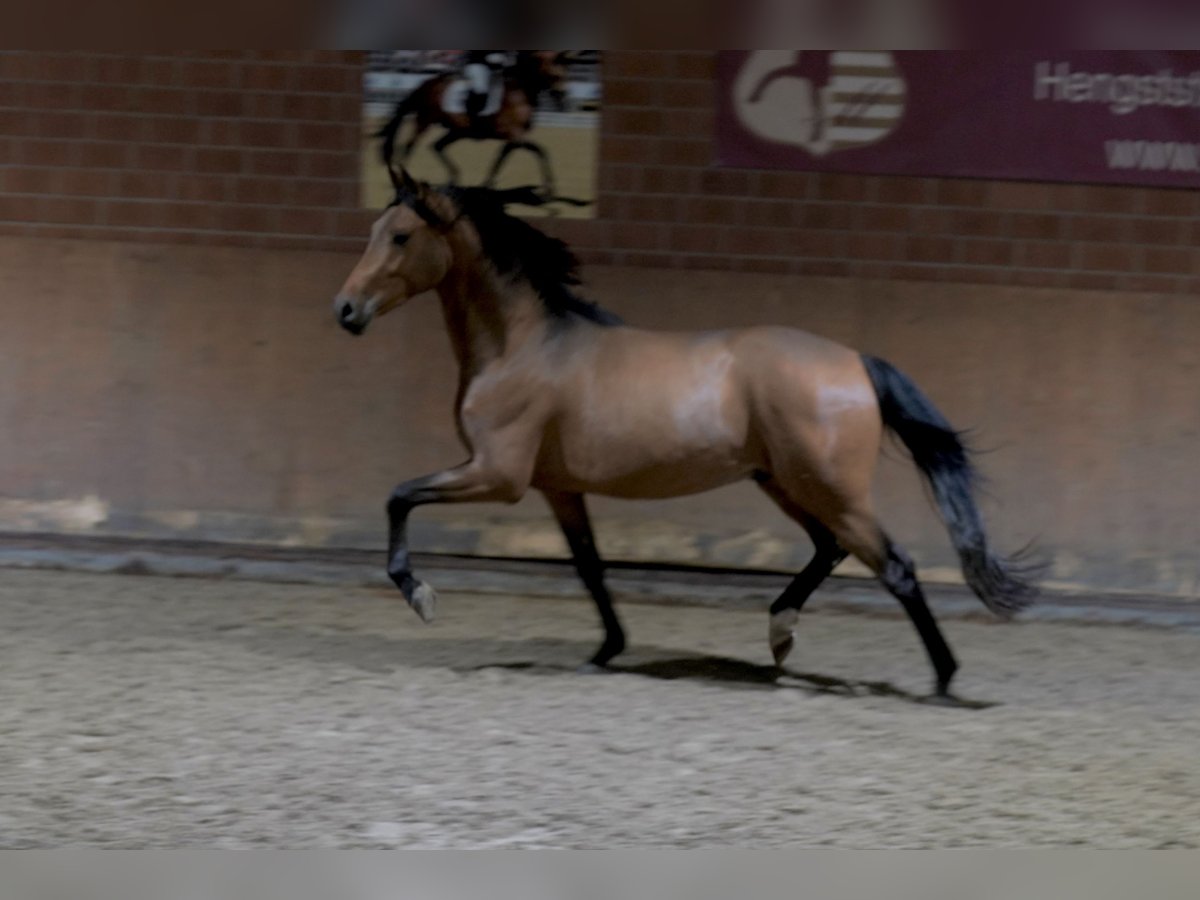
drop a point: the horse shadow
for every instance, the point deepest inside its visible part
(544, 657)
(736, 673)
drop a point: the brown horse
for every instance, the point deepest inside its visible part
(535, 73)
(558, 395)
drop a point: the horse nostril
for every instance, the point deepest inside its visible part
(347, 312)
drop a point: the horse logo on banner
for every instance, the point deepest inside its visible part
(821, 101)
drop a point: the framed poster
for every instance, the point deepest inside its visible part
(504, 118)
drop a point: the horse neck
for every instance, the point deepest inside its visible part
(486, 319)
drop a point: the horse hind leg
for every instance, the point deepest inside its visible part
(785, 611)
(860, 533)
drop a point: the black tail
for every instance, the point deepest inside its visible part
(937, 449)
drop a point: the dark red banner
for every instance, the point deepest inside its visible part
(1124, 117)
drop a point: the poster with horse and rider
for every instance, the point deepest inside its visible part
(501, 118)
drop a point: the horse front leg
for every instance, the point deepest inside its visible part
(450, 137)
(501, 158)
(472, 482)
(572, 515)
(543, 159)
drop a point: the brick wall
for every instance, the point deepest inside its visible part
(261, 148)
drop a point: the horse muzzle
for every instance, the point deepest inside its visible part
(351, 316)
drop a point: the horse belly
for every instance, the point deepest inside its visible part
(652, 443)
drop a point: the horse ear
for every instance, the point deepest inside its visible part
(403, 181)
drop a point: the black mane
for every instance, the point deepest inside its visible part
(520, 251)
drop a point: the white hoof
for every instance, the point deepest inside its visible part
(424, 600)
(782, 635)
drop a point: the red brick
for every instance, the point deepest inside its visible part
(1019, 195)
(1156, 231)
(698, 238)
(116, 127)
(824, 215)
(772, 214)
(277, 191)
(669, 181)
(164, 158)
(904, 190)
(690, 122)
(816, 244)
(988, 253)
(1169, 260)
(978, 223)
(1046, 226)
(264, 106)
(1148, 284)
(193, 216)
(633, 121)
(62, 67)
(725, 181)
(209, 160)
(167, 101)
(107, 97)
(68, 210)
(323, 81)
(151, 185)
(317, 136)
(312, 107)
(197, 74)
(225, 104)
(630, 92)
(962, 192)
(930, 220)
(687, 94)
(28, 180)
(117, 69)
(51, 153)
(1109, 257)
(778, 266)
(715, 211)
(700, 65)
(621, 149)
(1046, 255)
(19, 209)
(874, 246)
(848, 188)
(821, 268)
(1170, 203)
(52, 95)
(932, 249)
(638, 64)
(882, 218)
(131, 214)
(1095, 198)
(1091, 281)
(784, 185)
(322, 165)
(173, 131)
(685, 153)
(86, 182)
(323, 193)
(266, 134)
(654, 209)
(1110, 229)
(249, 218)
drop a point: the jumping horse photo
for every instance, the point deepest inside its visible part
(534, 74)
(558, 395)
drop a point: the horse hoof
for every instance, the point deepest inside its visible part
(781, 634)
(591, 668)
(423, 601)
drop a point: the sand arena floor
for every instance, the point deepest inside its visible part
(170, 712)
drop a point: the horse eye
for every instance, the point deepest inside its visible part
(399, 239)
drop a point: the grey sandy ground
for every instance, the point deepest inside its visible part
(153, 712)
